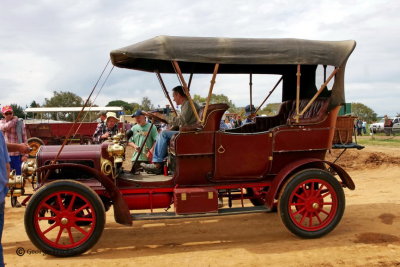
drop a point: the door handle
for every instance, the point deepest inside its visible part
(221, 149)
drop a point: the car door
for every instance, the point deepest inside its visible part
(241, 156)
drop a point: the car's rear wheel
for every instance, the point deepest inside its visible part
(312, 203)
(64, 218)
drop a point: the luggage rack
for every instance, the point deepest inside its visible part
(344, 133)
(345, 147)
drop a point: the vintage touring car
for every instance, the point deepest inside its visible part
(275, 162)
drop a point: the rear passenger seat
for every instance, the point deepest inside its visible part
(316, 113)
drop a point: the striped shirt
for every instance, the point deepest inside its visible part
(102, 129)
(9, 129)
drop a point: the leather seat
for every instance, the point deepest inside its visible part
(314, 114)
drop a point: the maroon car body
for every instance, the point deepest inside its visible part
(275, 162)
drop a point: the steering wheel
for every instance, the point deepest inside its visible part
(154, 117)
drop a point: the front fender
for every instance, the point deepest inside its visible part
(296, 166)
(121, 209)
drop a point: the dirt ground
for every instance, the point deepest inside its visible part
(368, 235)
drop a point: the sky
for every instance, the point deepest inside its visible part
(50, 45)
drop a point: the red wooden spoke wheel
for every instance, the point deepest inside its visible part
(64, 218)
(312, 203)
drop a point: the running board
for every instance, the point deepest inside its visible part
(221, 212)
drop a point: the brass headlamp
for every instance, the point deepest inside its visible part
(117, 151)
(15, 185)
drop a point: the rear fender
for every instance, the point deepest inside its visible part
(121, 209)
(297, 166)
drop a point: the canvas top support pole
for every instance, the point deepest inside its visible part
(164, 88)
(212, 82)
(270, 92)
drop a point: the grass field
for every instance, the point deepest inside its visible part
(379, 140)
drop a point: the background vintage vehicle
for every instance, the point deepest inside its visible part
(275, 162)
(41, 131)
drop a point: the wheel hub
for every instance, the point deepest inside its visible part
(312, 205)
(64, 221)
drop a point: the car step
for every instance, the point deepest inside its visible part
(221, 212)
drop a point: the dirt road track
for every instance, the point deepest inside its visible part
(368, 235)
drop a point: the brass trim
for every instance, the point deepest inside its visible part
(106, 166)
(221, 149)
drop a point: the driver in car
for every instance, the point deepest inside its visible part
(185, 118)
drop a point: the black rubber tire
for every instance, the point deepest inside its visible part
(62, 186)
(292, 184)
(34, 143)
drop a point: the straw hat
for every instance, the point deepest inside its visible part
(111, 115)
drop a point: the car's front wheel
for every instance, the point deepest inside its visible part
(64, 218)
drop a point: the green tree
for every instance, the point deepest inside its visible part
(120, 103)
(271, 109)
(63, 99)
(146, 104)
(34, 104)
(18, 111)
(135, 106)
(221, 98)
(363, 112)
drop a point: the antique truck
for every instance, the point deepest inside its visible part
(45, 132)
(276, 162)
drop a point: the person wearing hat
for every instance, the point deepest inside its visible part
(387, 125)
(139, 133)
(249, 114)
(14, 132)
(108, 129)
